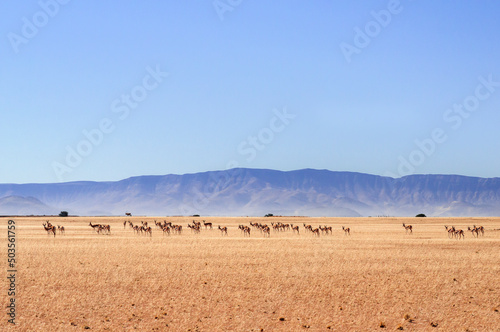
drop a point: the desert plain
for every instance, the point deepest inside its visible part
(379, 278)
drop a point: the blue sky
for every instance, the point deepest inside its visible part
(381, 87)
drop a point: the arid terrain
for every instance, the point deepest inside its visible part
(380, 277)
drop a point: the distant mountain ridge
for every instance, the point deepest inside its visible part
(255, 192)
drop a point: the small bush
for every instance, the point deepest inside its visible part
(63, 214)
(421, 215)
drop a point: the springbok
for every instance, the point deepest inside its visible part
(207, 224)
(473, 230)
(61, 229)
(267, 231)
(95, 227)
(347, 230)
(459, 234)
(223, 230)
(408, 228)
(50, 229)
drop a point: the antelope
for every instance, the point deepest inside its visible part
(207, 224)
(316, 231)
(308, 228)
(451, 231)
(95, 227)
(267, 231)
(106, 228)
(479, 229)
(295, 229)
(177, 229)
(459, 234)
(166, 230)
(408, 228)
(246, 230)
(149, 231)
(195, 228)
(61, 229)
(136, 229)
(50, 229)
(347, 230)
(325, 229)
(473, 230)
(223, 230)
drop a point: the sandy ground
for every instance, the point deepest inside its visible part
(378, 278)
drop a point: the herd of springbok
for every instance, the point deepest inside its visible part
(168, 228)
(460, 234)
(52, 230)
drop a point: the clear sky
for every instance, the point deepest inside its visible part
(105, 90)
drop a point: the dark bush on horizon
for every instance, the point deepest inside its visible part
(421, 215)
(63, 214)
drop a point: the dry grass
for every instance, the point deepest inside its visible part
(378, 276)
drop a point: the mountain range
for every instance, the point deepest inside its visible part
(256, 192)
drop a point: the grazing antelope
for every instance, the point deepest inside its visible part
(148, 230)
(166, 230)
(207, 224)
(480, 229)
(223, 230)
(295, 229)
(316, 231)
(347, 230)
(408, 228)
